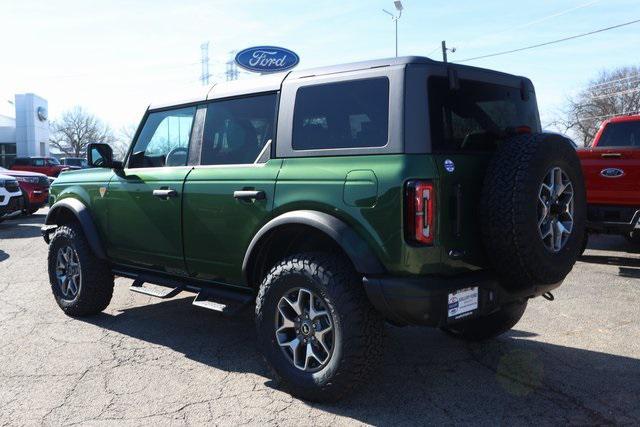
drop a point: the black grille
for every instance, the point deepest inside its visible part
(12, 186)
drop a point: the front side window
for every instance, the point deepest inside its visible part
(352, 114)
(164, 139)
(474, 116)
(52, 161)
(622, 134)
(237, 130)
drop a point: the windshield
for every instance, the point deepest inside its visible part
(475, 115)
(621, 134)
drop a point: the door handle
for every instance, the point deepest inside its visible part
(165, 193)
(249, 195)
(611, 155)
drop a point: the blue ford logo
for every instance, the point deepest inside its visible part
(612, 173)
(267, 59)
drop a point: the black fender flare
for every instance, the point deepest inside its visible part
(358, 251)
(80, 211)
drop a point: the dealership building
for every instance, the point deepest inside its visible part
(27, 132)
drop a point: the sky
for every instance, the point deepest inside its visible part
(115, 57)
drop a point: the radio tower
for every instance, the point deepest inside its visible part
(232, 68)
(204, 60)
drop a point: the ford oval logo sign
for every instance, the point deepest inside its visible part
(267, 59)
(612, 173)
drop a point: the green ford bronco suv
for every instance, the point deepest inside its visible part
(404, 190)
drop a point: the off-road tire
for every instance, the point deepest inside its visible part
(490, 326)
(358, 327)
(96, 284)
(509, 210)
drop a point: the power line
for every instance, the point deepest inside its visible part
(551, 42)
(610, 95)
(633, 78)
(535, 21)
(606, 116)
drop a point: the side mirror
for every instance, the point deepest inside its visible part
(101, 156)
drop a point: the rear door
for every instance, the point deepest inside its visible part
(612, 167)
(144, 200)
(229, 195)
(464, 124)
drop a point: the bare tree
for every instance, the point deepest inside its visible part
(122, 143)
(76, 128)
(610, 94)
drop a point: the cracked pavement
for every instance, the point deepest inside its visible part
(147, 361)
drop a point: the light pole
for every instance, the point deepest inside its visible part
(395, 18)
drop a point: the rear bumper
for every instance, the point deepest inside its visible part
(425, 300)
(613, 219)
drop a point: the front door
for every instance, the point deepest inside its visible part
(612, 168)
(229, 196)
(145, 199)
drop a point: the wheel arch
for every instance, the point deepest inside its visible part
(70, 209)
(327, 231)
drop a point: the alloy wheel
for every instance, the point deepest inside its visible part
(555, 210)
(305, 330)
(68, 272)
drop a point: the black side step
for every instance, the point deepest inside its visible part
(222, 301)
(138, 286)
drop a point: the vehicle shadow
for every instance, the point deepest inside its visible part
(427, 377)
(3, 255)
(22, 227)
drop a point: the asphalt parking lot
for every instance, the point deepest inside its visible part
(146, 361)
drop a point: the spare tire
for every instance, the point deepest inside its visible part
(533, 210)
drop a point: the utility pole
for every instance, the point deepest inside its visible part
(204, 61)
(445, 49)
(395, 18)
(232, 68)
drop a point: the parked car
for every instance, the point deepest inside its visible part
(78, 162)
(406, 190)
(11, 203)
(34, 186)
(49, 166)
(611, 167)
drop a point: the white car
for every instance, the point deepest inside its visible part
(11, 201)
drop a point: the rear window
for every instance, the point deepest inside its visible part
(623, 134)
(353, 114)
(472, 117)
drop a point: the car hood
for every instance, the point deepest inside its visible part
(21, 173)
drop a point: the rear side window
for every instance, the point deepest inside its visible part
(623, 134)
(473, 116)
(353, 114)
(38, 162)
(236, 130)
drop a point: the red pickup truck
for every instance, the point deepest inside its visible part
(611, 167)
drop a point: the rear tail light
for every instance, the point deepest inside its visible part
(420, 214)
